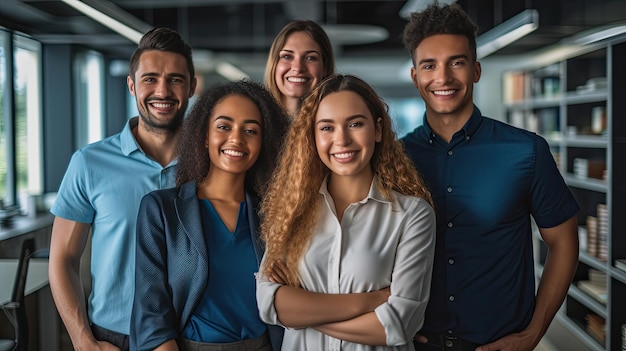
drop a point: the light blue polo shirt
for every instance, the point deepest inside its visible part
(103, 185)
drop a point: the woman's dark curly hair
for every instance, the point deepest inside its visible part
(193, 159)
(436, 19)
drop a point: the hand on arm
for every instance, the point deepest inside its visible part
(66, 247)
(562, 242)
(278, 274)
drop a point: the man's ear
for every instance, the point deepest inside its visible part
(414, 77)
(477, 71)
(131, 85)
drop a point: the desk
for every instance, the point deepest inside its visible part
(36, 278)
(22, 225)
(47, 326)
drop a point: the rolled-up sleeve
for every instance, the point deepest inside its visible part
(403, 314)
(265, 292)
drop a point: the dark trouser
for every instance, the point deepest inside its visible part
(115, 338)
(261, 343)
(441, 342)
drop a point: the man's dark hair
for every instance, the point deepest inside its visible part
(162, 39)
(436, 19)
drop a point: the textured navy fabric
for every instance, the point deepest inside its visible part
(486, 183)
(172, 265)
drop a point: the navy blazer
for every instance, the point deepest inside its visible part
(172, 269)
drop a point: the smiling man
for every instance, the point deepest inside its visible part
(487, 179)
(102, 189)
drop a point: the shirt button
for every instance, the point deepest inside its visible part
(451, 261)
(450, 225)
(449, 343)
(449, 189)
(451, 298)
(450, 152)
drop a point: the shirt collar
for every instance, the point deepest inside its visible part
(373, 194)
(127, 139)
(466, 132)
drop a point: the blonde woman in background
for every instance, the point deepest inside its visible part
(300, 57)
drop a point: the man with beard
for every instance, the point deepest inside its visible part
(102, 189)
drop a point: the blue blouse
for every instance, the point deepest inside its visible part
(228, 311)
(486, 184)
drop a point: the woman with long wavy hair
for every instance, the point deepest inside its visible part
(349, 228)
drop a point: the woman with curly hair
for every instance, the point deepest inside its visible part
(301, 56)
(349, 228)
(198, 244)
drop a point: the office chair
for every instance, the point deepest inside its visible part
(15, 309)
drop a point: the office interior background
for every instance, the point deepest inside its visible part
(553, 67)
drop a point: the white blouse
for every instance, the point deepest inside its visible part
(377, 244)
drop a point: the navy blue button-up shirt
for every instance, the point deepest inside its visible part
(486, 184)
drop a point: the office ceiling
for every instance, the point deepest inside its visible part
(240, 32)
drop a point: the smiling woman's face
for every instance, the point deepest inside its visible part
(300, 66)
(346, 134)
(235, 135)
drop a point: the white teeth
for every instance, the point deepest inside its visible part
(344, 155)
(443, 92)
(233, 153)
(161, 105)
(297, 79)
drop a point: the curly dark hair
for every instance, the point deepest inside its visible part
(162, 39)
(436, 19)
(193, 160)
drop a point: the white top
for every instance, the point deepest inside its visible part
(377, 244)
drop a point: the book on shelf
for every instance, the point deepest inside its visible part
(592, 236)
(595, 290)
(603, 232)
(621, 264)
(596, 276)
(596, 327)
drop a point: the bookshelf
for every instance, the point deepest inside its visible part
(574, 96)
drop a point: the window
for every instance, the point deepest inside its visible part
(21, 172)
(28, 118)
(4, 106)
(89, 116)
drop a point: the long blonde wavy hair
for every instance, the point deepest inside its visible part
(291, 206)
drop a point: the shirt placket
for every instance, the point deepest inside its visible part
(333, 274)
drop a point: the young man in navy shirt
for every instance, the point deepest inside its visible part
(487, 179)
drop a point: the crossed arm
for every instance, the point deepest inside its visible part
(348, 317)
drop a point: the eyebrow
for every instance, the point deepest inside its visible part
(330, 120)
(170, 75)
(306, 52)
(230, 119)
(451, 58)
